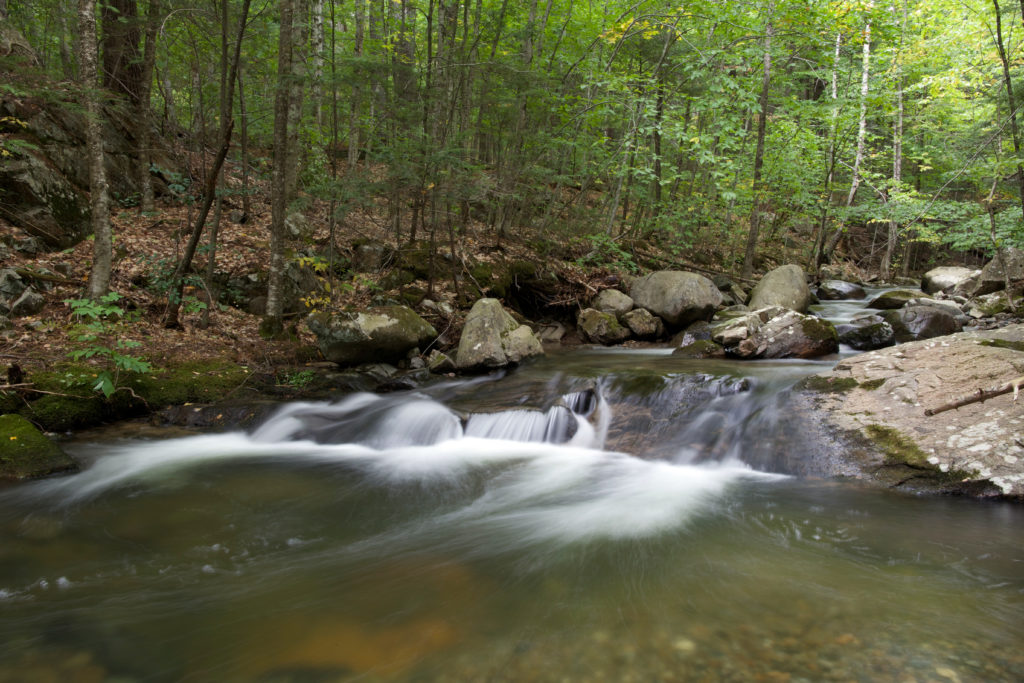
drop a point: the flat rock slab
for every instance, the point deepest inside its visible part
(879, 399)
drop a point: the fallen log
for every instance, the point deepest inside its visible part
(980, 396)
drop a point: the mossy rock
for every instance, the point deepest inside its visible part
(194, 382)
(65, 413)
(26, 453)
(398, 277)
(898, 449)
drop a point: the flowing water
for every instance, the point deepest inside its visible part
(601, 515)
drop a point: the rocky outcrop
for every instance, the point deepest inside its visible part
(26, 453)
(679, 298)
(491, 338)
(383, 333)
(876, 402)
(945, 278)
(785, 286)
(836, 290)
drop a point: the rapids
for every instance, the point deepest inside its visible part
(601, 515)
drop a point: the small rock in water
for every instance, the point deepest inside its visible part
(684, 646)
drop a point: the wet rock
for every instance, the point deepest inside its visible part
(491, 338)
(785, 286)
(945, 278)
(834, 290)
(975, 449)
(676, 297)
(601, 328)
(866, 333)
(643, 324)
(698, 331)
(921, 322)
(896, 298)
(987, 305)
(379, 333)
(551, 332)
(612, 301)
(26, 453)
(789, 335)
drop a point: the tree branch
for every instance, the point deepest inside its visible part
(980, 396)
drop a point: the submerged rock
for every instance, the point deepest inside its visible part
(785, 286)
(679, 298)
(26, 453)
(975, 449)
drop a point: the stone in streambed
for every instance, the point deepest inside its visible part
(382, 333)
(491, 338)
(601, 328)
(677, 297)
(785, 286)
(836, 290)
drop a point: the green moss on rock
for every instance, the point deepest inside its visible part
(872, 384)
(26, 453)
(898, 449)
(827, 385)
(1003, 344)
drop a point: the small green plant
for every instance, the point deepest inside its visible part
(605, 251)
(98, 324)
(299, 378)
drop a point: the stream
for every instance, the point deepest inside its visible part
(594, 515)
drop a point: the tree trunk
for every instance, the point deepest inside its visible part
(293, 151)
(122, 61)
(862, 130)
(318, 63)
(885, 269)
(143, 111)
(762, 124)
(273, 321)
(356, 102)
(99, 200)
(1010, 100)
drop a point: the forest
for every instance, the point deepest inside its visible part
(718, 135)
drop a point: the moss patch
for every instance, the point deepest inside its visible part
(898, 449)
(26, 453)
(827, 385)
(872, 384)
(1003, 344)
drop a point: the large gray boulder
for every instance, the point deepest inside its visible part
(912, 323)
(379, 334)
(945, 278)
(612, 301)
(679, 298)
(600, 327)
(785, 286)
(491, 338)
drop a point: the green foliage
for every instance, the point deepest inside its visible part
(99, 333)
(299, 379)
(605, 250)
(160, 280)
